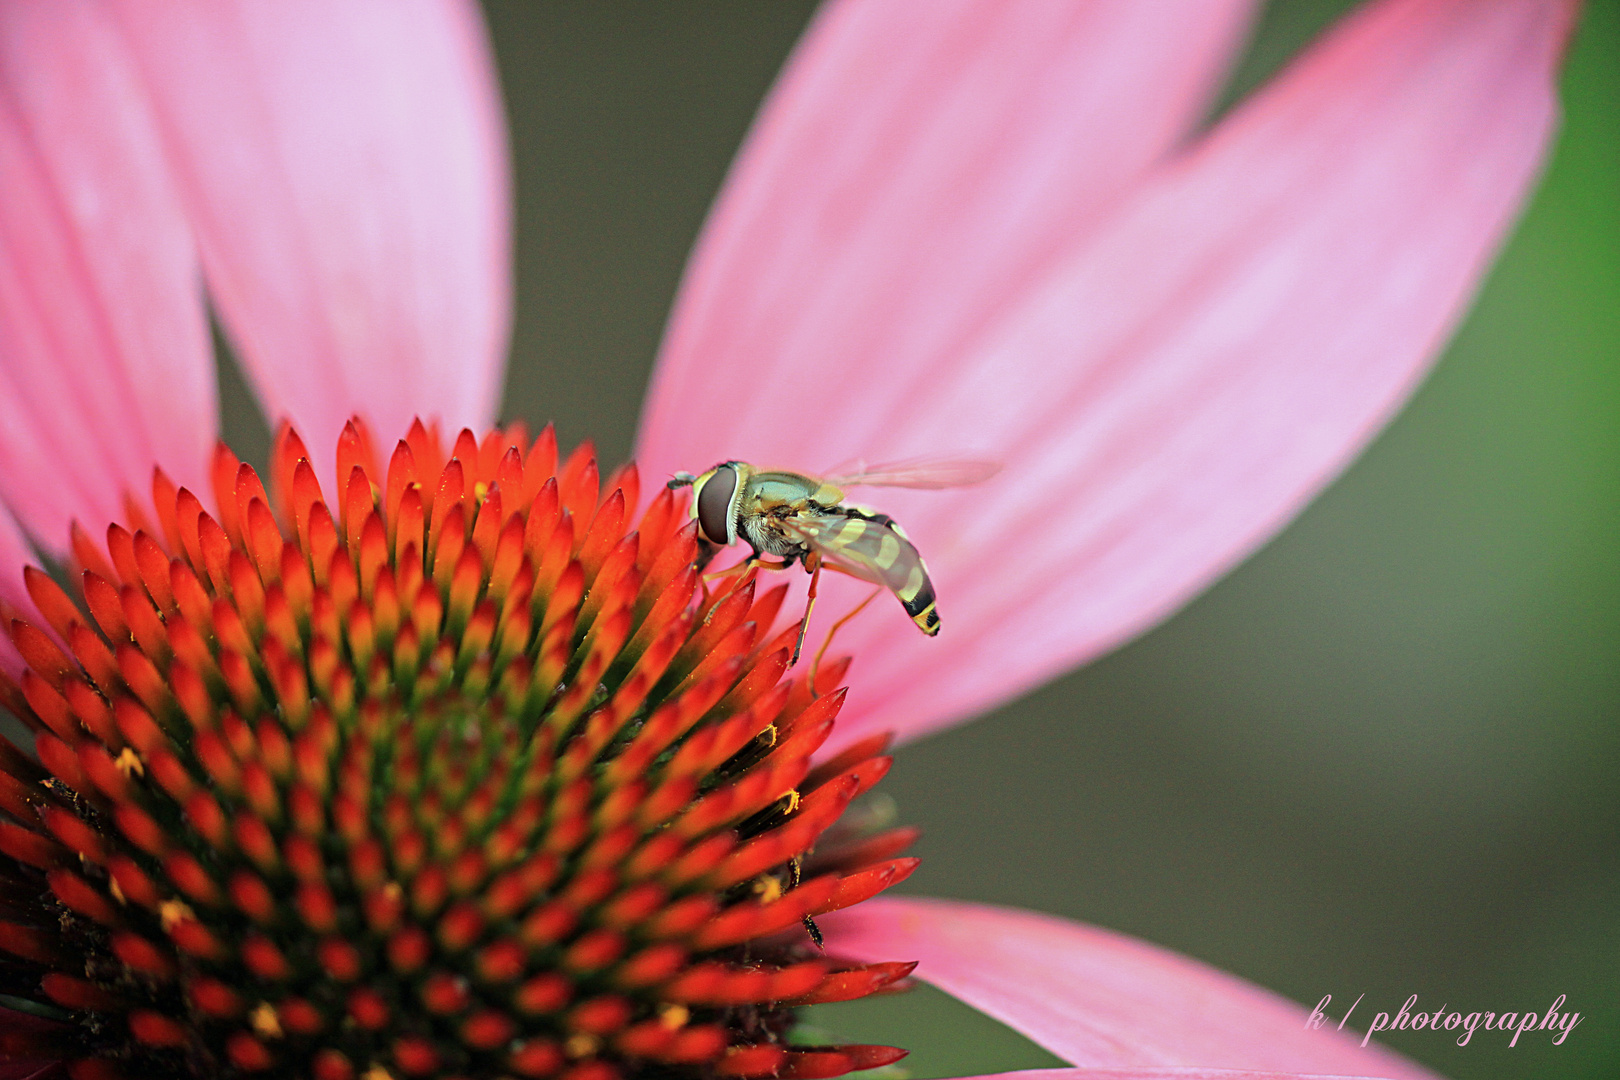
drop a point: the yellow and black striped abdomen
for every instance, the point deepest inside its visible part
(873, 547)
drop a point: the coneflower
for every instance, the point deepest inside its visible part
(463, 771)
(460, 768)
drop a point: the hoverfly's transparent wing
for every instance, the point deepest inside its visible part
(849, 544)
(930, 473)
(872, 549)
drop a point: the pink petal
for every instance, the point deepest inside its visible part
(29, 1070)
(1097, 998)
(1149, 1073)
(27, 1066)
(916, 167)
(344, 165)
(1176, 383)
(105, 364)
(30, 1067)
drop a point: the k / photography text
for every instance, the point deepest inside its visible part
(1551, 1023)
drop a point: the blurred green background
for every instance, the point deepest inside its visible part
(1381, 757)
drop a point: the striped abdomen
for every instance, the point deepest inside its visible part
(873, 547)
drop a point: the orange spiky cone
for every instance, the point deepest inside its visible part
(447, 775)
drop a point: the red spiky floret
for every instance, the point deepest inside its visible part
(447, 774)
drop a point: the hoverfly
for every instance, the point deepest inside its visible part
(801, 518)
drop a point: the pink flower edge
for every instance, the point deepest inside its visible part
(1097, 998)
(105, 364)
(337, 172)
(1150, 1073)
(344, 167)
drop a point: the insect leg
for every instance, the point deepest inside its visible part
(815, 665)
(753, 562)
(704, 580)
(812, 563)
(730, 571)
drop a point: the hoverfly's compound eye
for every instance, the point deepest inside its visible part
(714, 504)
